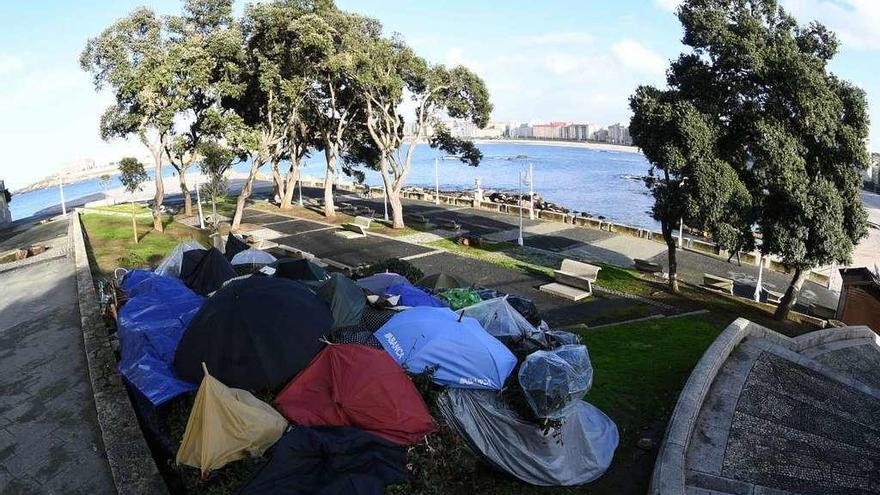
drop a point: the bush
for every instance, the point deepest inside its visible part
(395, 265)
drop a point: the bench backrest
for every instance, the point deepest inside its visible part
(585, 270)
(362, 221)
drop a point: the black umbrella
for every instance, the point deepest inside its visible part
(254, 333)
(204, 271)
(301, 269)
(439, 281)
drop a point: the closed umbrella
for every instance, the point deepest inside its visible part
(254, 333)
(458, 350)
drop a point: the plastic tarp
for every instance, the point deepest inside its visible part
(502, 321)
(523, 305)
(461, 353)
(460, 298)
(556, 338)
(252, 257)
(555, 380)
(581, 452)
(227, 424)
(378, 282)
(412, 296)
(170, 266)
(150, 325)
(329, 460)
(346, 299)
(353, 385)
(254, 333)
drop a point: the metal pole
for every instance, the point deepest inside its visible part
(531, 193)
(61, 191)
(520, 239)
(758, 286)
(436, 181)
(299, 183)
(681, 233)
(199, 201)
(385, 199)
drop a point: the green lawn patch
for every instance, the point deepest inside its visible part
(111, 241)
(121, 208)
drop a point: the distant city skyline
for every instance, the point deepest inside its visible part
(563, 60)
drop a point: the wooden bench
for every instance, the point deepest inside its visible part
(773, 297)
(576, 274)
(359, 225)
(418, 219)
(647, 266)
(718, 283)
(448, 224)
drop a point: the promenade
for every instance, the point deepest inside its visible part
(50, 441)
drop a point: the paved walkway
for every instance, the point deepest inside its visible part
(776, 423)
(49, 436)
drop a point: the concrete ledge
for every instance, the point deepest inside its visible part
(565, 291)
(131, 463)
(669, 475)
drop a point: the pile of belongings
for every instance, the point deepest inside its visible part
(336, 357)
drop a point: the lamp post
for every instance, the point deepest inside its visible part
(436, 181)
(681, 221)
(199, 201)
(758, 286)
(385, 198)
(61, 191)
(520, 238)
(531, 193)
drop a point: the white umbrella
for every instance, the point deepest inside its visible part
(252, 257)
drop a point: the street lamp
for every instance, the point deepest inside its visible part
(519, 203)
(759, 286)
(681, 221)
(436, 181)
(531, 193)
(199, 202)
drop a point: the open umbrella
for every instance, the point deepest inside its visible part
(378, 282)
(438, 281)
(411, 295)
(252, 257)
(458, 350)
(170, 266)
(301, 269)
(354, 385)
(205, 271)
(346, 299)
(254, 333)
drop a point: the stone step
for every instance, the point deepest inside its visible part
(565, 291)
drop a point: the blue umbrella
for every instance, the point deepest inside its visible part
(463, 353)
(379, 282)
(411, 295)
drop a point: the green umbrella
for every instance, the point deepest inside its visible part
(460, 298)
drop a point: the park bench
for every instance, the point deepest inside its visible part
(448, 224)
(418, 219)
(577, 274)
(773, 297)
(647, 266)
(822, 312)
(574, 280)
(718, 283)
(359, 225)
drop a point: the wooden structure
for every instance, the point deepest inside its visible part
(859, 302)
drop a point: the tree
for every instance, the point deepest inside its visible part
(104, 181)
(689, 183)
(216, 161)
(131, 59)
(203, 42)
(132, 175)
(793, 133)
(388, 69)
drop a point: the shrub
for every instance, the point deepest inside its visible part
(395, 265)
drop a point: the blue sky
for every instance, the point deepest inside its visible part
(550, 60)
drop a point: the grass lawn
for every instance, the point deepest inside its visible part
(139, 209)
(111, 241)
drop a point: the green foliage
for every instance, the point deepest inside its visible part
(395, 265)
(105, 180)
(132, 174)
(216, 161)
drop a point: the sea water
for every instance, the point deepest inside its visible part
(599, 182)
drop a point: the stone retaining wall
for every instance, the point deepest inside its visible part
(134, 470)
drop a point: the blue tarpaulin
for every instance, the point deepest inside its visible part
(413, 296)
(461, 352)
(150, 326)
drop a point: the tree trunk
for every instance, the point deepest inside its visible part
(790, 298)
(396, 208)
(329, 208)
(245, 193)
(277, 181)
(290, 182)
(672, 256)
(160, 193)
(134, 225)
(187, 198)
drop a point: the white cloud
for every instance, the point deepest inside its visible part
(561, 63)
(456, 56)
(669, 5)
(10, 64)
(636, 57)
(569, 38)
(855, 21)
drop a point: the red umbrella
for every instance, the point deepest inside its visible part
(354, 385)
